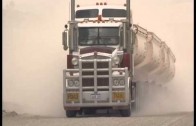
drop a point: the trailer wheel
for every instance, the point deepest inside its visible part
(71, 113)
(125, 112)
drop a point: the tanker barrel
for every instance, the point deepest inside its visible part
(154, 55)
(156, 41)
(172, 60)
(147, 48)
(169, 67)
(172, 55)
(170, 72)
(153, 59)
(139, 44)
(166, 60)
(161, 61)
(157, 73)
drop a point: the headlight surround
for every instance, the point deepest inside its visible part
(118, 82)
(116, 60)
(72, 83)
(74, 61)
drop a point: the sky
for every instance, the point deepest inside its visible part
(33, 55)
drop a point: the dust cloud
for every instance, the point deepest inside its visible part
(173, 23)
(33, 55)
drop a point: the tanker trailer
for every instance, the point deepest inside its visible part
(110, 60)
(153, 64)
(153, 60)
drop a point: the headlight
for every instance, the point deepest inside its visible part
(122, 82)
(116, 60)
(76, 83)
(70, 83)
(115, 82)
(74, 61)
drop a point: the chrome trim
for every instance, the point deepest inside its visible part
(95, 87)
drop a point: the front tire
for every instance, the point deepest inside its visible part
(89, 111)
(71, 113)
(125, 112)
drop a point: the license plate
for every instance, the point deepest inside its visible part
(97, 96)
(73, 97)
(118, 96)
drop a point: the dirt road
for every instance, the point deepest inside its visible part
(172, 119)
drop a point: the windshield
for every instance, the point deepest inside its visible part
(114, 13)
(90, 13)
(99, 36)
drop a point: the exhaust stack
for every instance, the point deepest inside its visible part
(72, 30)
(72, 10)
(128, 13)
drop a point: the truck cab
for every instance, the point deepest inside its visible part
(101, 10)
(99, 67)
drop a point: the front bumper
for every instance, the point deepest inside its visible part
(97, 93)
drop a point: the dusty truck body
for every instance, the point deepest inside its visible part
(108, 55)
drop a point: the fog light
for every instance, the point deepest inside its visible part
(76, 83)
(70, 83)
(115, 82)
(122, 82)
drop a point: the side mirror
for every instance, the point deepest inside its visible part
(64, 37)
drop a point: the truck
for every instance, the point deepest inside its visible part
(108, 59)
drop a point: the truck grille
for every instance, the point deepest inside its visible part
(95, 78)
(94, 72)
(88, 82)
(91, 65)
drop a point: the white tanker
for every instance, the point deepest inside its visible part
(153, 59)
(108, 57)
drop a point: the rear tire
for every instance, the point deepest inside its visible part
(71, 113)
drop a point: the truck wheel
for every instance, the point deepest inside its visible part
(71, 113)
(125, 112)
(89, 111)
